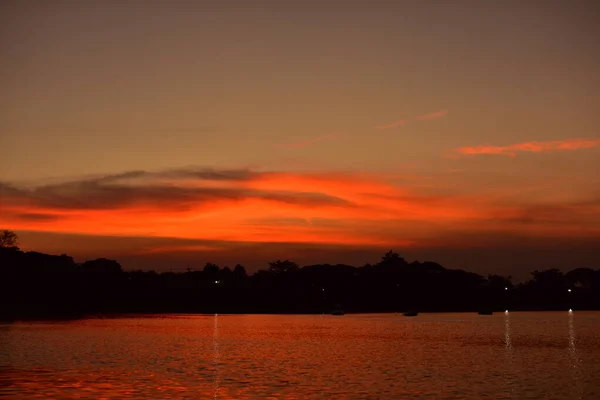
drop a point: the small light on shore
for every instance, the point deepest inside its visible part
(570, 310)
(506, 312)
(217, 282)
(505, 288)
(569, 290)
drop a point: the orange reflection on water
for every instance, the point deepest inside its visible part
(216, 354)
(297, 357)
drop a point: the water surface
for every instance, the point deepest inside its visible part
(369, 356)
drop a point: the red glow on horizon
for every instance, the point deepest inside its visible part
(326, 208)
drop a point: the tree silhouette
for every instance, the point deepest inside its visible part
(225, 274)
(499, 282)
(583, 277)
(239, 271)
(282, 267)
(392, 258)
(548, 279)
(8, 239)
(37, 285)
(101, 266)
(211, 271)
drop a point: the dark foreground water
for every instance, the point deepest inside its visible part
(443, 356)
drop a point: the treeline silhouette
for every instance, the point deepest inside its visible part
(37, 285)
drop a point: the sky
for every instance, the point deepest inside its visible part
(166, 134)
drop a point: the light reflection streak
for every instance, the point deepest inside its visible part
(508, 347)
(216, 355)
(574, 358)
(507, 340)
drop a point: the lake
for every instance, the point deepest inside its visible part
(550, 355)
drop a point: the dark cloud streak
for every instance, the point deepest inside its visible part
(114, 191)
(37, 217)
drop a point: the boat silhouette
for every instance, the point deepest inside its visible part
(337, 310)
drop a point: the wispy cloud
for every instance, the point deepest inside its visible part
(112, 194)
(310, 141)
(392, 125)
(530, 147)
(403, 122)
(178, 248)
(437, 114)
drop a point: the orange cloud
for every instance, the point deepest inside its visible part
(402, 122)
(531, 147)
(392, 125)
(275, 207)
(309, 142)
(433, 115)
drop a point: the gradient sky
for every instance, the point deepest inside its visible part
(168, 133)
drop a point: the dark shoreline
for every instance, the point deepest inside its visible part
(58, 318)
(47, 287)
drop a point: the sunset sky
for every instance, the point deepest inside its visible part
(171, 133)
